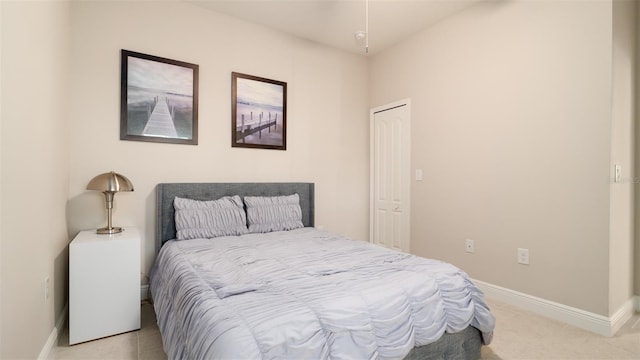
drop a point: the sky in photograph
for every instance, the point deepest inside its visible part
(160, 76)
(258, 92)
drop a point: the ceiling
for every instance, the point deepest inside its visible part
(335, 22)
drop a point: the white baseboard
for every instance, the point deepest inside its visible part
(599, 324)
(46, 353)
(144, 292)
(620, 317)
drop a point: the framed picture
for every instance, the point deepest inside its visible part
(158, 99)
(258, 112)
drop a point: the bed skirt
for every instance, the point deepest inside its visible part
(463, 345)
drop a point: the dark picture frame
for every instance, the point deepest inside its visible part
(258, 112)
(158, 99)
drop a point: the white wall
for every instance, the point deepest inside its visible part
(621, 255)
(511, 125)
(327, 130)
(35, 168)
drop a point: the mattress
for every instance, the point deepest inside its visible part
(307, 294)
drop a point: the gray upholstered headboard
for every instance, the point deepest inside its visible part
(165, 193)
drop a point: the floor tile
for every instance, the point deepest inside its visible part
(145, 343)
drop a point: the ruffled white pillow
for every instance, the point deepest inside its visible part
(273, 213)
(196, 219)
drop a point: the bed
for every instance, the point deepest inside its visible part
(301, 293)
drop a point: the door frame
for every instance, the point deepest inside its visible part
(407, 179)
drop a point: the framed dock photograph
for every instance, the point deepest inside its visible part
(158, 99)
(258, 112)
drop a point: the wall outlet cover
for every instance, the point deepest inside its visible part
(469, 246)
(523, 256)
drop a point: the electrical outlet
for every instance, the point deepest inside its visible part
(47, 284)
(523, 256)
(469, 246)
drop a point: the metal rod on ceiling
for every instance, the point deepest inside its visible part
(366, 25)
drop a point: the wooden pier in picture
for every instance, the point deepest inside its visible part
(250, 126)
(160, 121)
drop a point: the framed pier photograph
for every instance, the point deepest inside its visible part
(158, 99)
(258, 112)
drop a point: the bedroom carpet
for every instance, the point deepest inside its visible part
(518, 335)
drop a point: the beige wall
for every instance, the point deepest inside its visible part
(621, 256)
(35, 169)
(511, 126)
(327, 130)
(1, 182)
(636, 158)
(513, 123)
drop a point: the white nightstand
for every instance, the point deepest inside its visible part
(104, 284)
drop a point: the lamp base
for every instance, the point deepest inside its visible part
(112, 230)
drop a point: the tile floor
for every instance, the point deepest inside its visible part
(523, 335)
(144, 344)
(518, 335)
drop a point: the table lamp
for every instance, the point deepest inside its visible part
(110, 183)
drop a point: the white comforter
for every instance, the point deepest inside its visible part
(306, 294)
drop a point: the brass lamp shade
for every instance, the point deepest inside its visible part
(110, 183)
